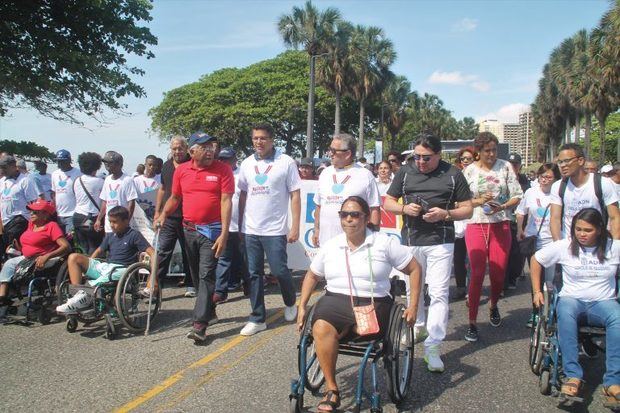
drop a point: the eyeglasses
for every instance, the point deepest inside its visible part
(425, 158)
(334, 150)
(545, 178)
(566, 161)
(352, 214)
(466, 158)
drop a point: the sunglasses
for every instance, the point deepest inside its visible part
(352, 214)
(466, 158)
(425, 158)
(334, 150)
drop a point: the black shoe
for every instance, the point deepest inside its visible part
(472, 333)
(461, 293)
(494, 318)
(198, 335)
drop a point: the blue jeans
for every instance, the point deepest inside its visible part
(274, 247)
(66, 224)
(230, 265)
(571, 314)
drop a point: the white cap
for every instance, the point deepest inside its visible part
(606, 168)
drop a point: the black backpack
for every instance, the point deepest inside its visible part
(598, 191)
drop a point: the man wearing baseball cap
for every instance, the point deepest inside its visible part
(306, 169)
(16, 192)
(612, 172)
(63, 192)
(118, 190)
(205, 186)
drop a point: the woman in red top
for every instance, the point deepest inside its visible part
(43, 239)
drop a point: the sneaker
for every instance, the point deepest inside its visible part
(433, 360)
(252, 328)
(199, 335)
(78, 302)
(494, 318)
(472, 333)
(218, 298)
(419, 334)
(190, 292)
(290, 313)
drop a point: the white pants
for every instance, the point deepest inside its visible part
(436, 264)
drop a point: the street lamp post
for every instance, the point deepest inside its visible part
(310, 119)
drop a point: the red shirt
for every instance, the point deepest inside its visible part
(202, 189)
(40, 242)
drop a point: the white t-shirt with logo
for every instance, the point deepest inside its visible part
(386, 253)
(383, 187)
(117, 192)
(45, 184)
(62, 186)
(83, 204)
(576, 199)
(268, 183)
(15, 194)
(336, 185)
(584, 277)
(147, 193)
(534, 206)
(234, 216)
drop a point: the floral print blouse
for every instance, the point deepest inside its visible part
(501, 181)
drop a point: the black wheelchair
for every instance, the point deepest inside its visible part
(395, 349)
(121, 300)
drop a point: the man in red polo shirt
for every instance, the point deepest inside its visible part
(205, 186)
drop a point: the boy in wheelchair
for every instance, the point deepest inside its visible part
(123, 247)
(42, 241)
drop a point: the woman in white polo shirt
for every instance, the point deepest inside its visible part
(590, 261)
(356, 266)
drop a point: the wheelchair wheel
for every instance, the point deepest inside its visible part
(296, 404)
(71, 324)
(62, 277)
(399, 355)
(314, 378)
(131, 306)
(544, 382)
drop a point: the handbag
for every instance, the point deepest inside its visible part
(527, 246)
(24, 271)
(365, 315)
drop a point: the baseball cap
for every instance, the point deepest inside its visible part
(198, 138)
(112, 157)
(305, 162)
(227, 153)
(63, 155)
(514, 158)
(606, 168)
(7, 160)
(42, 205)
(21, 163)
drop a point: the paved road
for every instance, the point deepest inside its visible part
(44, 368)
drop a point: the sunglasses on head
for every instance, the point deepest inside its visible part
(352, 214)
(425, 158)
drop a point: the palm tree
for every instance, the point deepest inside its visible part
(334, 69)
(395, 101)
(370, 54)
(311, 29)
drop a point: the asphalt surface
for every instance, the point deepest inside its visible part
(45, 368)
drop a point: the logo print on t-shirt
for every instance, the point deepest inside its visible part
(261, 178)
(149, 187)
(7, 188)
(62, 183)
(339, 187)
(113, 191)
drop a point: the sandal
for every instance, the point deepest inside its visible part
(571, 388)
(612, 396)
(328, 404)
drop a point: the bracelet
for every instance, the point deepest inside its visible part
(537, 292)
(402, 211)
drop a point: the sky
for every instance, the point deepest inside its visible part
(482, 58)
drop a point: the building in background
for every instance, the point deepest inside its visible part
(494, 126)
(512, 135)
(526, 138)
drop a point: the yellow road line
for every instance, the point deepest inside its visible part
(170, 381)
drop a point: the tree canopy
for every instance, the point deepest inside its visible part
(65, 58)
(25, 149)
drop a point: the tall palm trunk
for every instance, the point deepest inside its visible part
(567, 130)
(360, 147)
(577, 127)
(337, 113)
(601, 135)
(588, 130)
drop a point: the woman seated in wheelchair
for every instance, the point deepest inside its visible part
(356, 266)
(123, 247)
(42, 240)
(589, 263)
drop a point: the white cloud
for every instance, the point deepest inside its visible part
(506, 114)
(465, 25)
(458, 78)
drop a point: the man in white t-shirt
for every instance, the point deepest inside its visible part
(580, 193)
(63, 191)
(43, 179)
(267, 180)
(118, 189)
(344, 178)
(147, 186)
(613, 173)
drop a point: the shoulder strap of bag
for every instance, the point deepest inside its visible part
(598, 191)
(88, 193)
(543, 220)
(561, 192)
(350, 276)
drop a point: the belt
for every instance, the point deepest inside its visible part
(189, 225)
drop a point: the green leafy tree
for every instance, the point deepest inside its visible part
(468, 128)
(28, 150)
(395, 101)
(612, 135)
(64, 58)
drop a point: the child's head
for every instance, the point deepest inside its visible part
(119, 219)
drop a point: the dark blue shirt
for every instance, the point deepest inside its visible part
(124, 248)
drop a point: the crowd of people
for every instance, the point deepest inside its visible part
(477, 212)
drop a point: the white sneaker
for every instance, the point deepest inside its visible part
(290, 313)
(190, 292)
(78, 302)
(252, 328)
(433, 360)
(419, 334)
